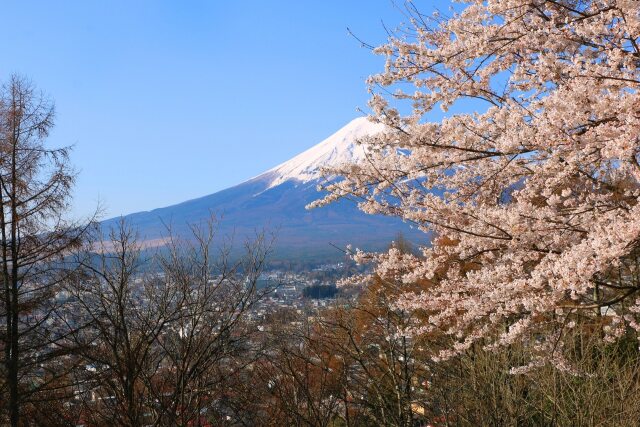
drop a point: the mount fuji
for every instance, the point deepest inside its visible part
(275, 200)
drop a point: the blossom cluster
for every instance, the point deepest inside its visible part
(531, 200)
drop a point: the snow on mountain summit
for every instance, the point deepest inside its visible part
(263, 203)
(339, 148)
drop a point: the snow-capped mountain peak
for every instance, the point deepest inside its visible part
(262, 203)
(339, 148)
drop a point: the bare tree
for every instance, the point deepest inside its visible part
(166, 328)
(212, 340)
(127, 310)
(302, 378)
(35, 184)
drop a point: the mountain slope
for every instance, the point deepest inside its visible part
(276, 200)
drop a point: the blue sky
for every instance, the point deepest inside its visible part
(165, 101)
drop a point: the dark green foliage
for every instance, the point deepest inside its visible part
(320, 291)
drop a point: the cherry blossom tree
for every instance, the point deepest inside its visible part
(529, 186)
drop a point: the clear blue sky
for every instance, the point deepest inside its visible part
(165, 101)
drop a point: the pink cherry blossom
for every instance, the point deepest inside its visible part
(536, 190)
